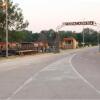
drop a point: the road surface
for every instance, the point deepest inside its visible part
(69, 75)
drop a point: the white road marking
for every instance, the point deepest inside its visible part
(20, 88)
(86, 81)
(24, 84)
(27, 82)
(32, 78)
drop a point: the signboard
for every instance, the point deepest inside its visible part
(80, 23)
(36, 44)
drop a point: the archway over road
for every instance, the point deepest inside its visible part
(79, 23)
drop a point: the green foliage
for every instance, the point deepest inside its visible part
(15, 17)
(43, 36)
(66, 34)
(16, 36)
(35, 37)
(15, 22)
(90, 36)
(47, 36)
(23, 36)
(51, 35)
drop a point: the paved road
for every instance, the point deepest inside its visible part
(87, 65)
(65, 76)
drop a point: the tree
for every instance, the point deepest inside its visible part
(16, 36)
(65, 34)
(90, 36)
(35, 37)
(43, 36)
(15, 18)
(51, 37)
(30, 37)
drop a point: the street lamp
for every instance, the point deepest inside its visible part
(6, 28)
(5, 6)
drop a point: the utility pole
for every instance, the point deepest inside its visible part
(4, 5)
(57, 50)
(58, 37)
(99, 40)
(6, 28)
(83, 38)
(83, 35)
(98, 36)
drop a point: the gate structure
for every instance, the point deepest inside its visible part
(79, 23)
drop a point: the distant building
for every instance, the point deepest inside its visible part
(69, 43)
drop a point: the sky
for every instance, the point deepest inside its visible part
(48, 14)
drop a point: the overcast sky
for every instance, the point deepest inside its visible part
(47, 14)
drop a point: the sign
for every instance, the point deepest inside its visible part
(83, 43)
(36, 44)
(80, 23)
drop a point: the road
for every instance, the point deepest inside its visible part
(69, 75)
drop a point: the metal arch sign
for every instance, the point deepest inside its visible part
(80, 23)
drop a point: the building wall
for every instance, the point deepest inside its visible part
(69, 43)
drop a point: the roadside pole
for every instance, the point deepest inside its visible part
(57, 49)
(99, 40)
(4, 4)
(6, 28)
(83, 38)
(98, 36)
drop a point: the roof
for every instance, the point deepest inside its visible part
(71, 39)
(4, 43)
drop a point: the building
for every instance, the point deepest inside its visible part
(69, 43)
(11, 45)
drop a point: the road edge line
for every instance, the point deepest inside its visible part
(82, 78)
